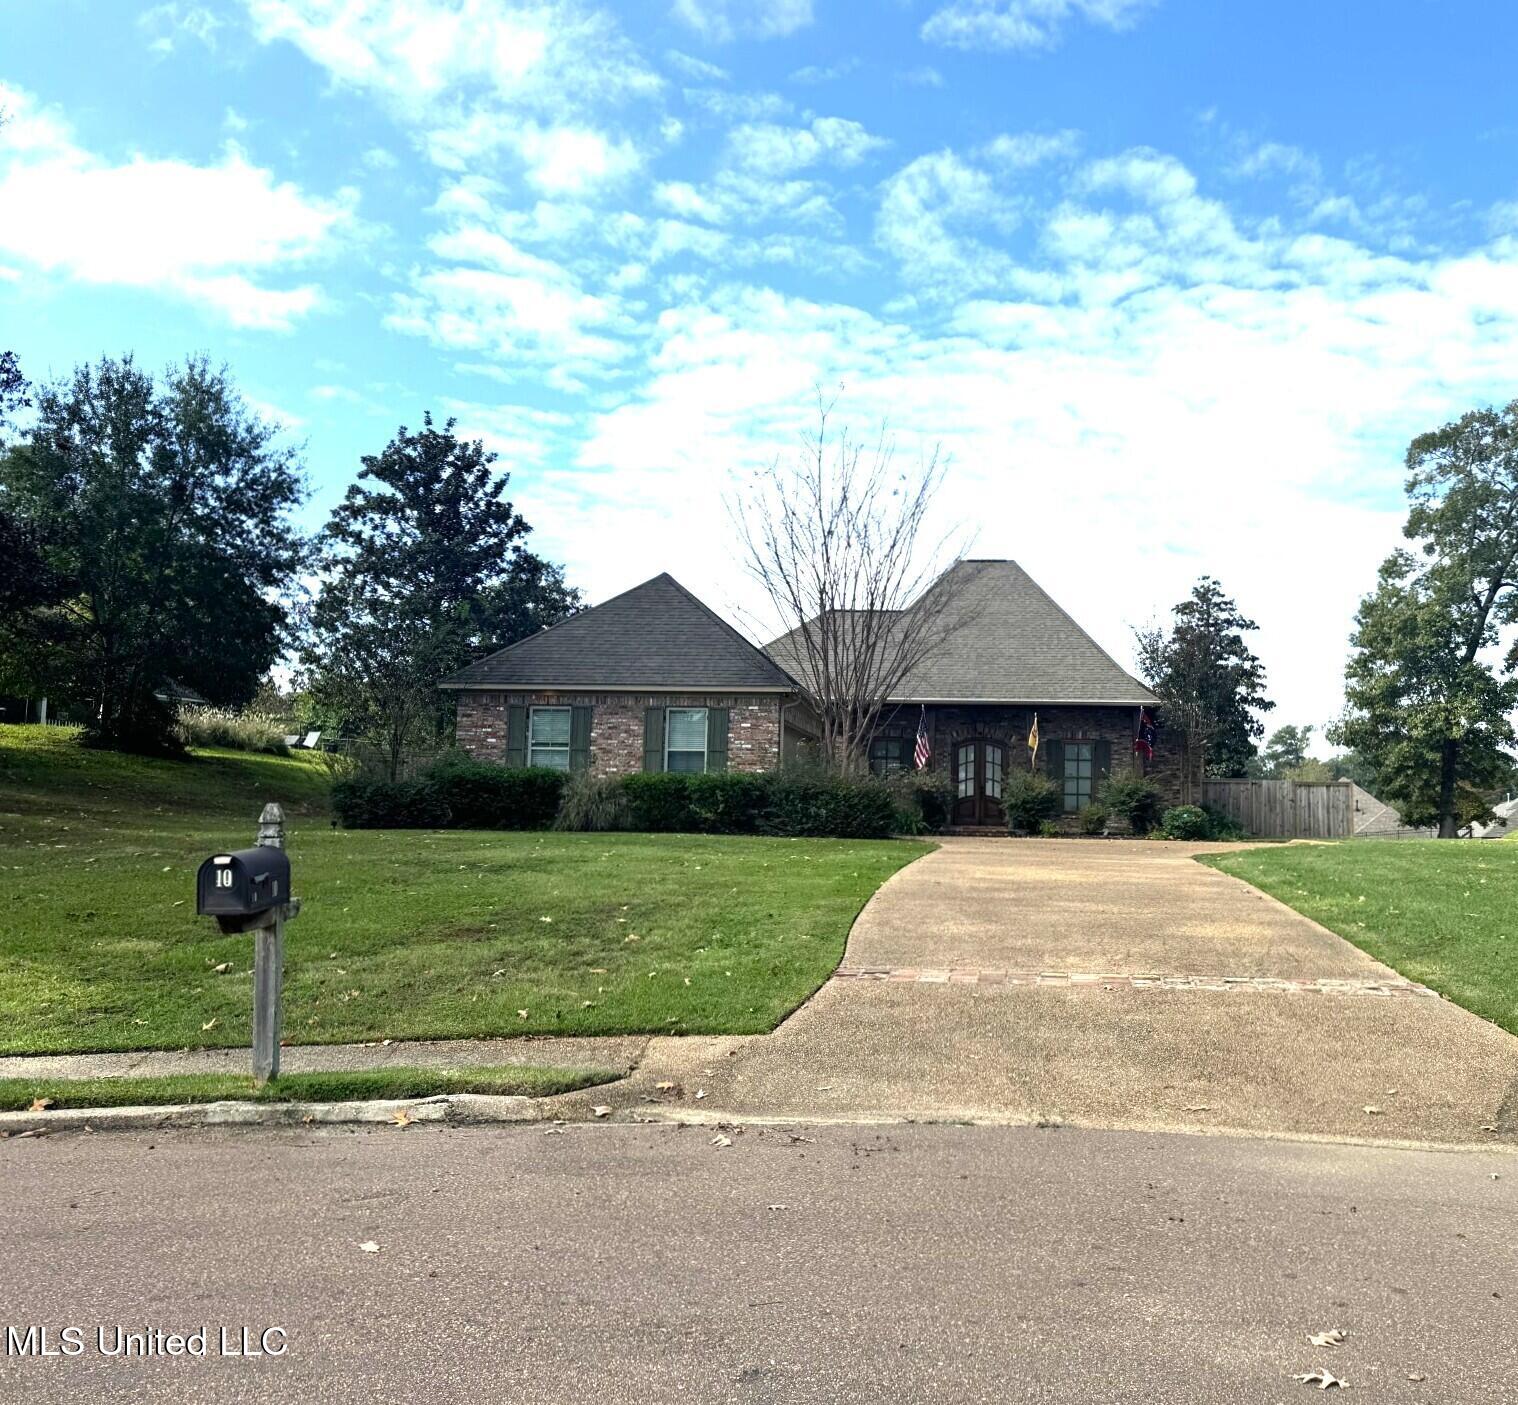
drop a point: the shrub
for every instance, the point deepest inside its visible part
(1048, 829)
(1223, 826)
(480, 795)
(366, 802)
(659, 802)
(592, 803)
(1093, 819)
(729, 802)
(804, 803)
(1186, 822)
(1138, 801)
(1029, 799)
(924, 801)
(238, 731)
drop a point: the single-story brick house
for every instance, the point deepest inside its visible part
(653, 680)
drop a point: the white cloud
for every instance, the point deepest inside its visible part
(213, 234)
(1192, 389)
(826, 72)
(693, 67)
(476, 78)
(1023, 150)
(772, 150)
(721, 21)
(170, 24)
(1022, 24)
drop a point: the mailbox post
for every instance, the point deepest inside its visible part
(248, 890)
(268, 963)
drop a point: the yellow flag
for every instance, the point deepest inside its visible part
(1033, 739)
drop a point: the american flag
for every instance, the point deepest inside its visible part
(922, 753)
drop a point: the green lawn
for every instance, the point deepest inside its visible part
(24, 1093)
(1444, 913)
(402, 934)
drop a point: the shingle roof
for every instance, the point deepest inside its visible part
(656, 635)
(1018, 646)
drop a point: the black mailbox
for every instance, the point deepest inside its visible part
(242, 884)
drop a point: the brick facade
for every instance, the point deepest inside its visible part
(949, 726)
(616, 725)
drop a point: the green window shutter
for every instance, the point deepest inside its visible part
(1101, 766)
(653, 739)
(516, 736)
(579, 739)
(716, 739)
(1054, 761)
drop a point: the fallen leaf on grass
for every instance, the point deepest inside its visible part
(222, 969)
(40, 1105)
(1335, 1336)
(521, 1014)
(601, 1110)
(209, 1024)
(369, 1247)
(402, 1117)
(1322, 1379)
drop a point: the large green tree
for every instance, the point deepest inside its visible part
(1211, 687)
(159, 513)
(424, 568)
(1429, 700)
(1285, 750)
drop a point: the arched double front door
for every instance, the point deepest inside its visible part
(980, 768)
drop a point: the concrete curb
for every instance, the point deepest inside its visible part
(455, 1108)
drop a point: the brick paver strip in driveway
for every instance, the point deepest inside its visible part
(1113, 1022)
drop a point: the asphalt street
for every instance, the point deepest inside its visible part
(836, 1263)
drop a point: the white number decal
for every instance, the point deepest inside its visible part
(223, 877)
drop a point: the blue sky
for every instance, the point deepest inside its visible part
(1171, 283)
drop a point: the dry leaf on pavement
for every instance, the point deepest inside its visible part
(722, 1140)
(1372, 1109)
(1322, 1379)
(601, 1110)
(369, 1247)
(402, 1117)
(1335, 1336)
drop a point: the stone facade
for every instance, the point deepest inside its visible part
(616, 725)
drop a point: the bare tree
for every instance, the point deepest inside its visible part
(836, 537)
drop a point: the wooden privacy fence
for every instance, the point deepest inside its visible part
(1285, 809)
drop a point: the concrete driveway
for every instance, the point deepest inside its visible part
(1114, 984)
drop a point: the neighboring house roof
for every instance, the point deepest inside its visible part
(656, 636)
(1375, 819)
(1505, 824)
(170, 691)
(1017, 646)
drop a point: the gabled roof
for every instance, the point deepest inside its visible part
(1015, 646)
(656, 636)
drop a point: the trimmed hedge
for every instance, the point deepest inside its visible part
(482, 796)
(364, 803)
(476, 795)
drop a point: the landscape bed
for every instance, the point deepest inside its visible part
(403, 934)
(1442, 912)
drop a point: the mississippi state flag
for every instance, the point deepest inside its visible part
(1143, 741)
(922, 753)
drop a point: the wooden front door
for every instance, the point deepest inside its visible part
(979, 769)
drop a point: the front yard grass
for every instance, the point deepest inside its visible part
(403, 934)
(22, 1093)
(1442, 912)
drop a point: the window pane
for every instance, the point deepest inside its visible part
(964, 771)
(687, 761)
(555, 756)
(687, 730)
(550, 726)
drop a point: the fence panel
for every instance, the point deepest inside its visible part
(1285, 809)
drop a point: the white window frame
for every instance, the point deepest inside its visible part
(687, 751)
(532, 747)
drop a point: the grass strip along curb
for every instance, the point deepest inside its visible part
(391, 1084)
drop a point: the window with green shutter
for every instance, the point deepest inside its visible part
(548, 730)
(685, 731)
